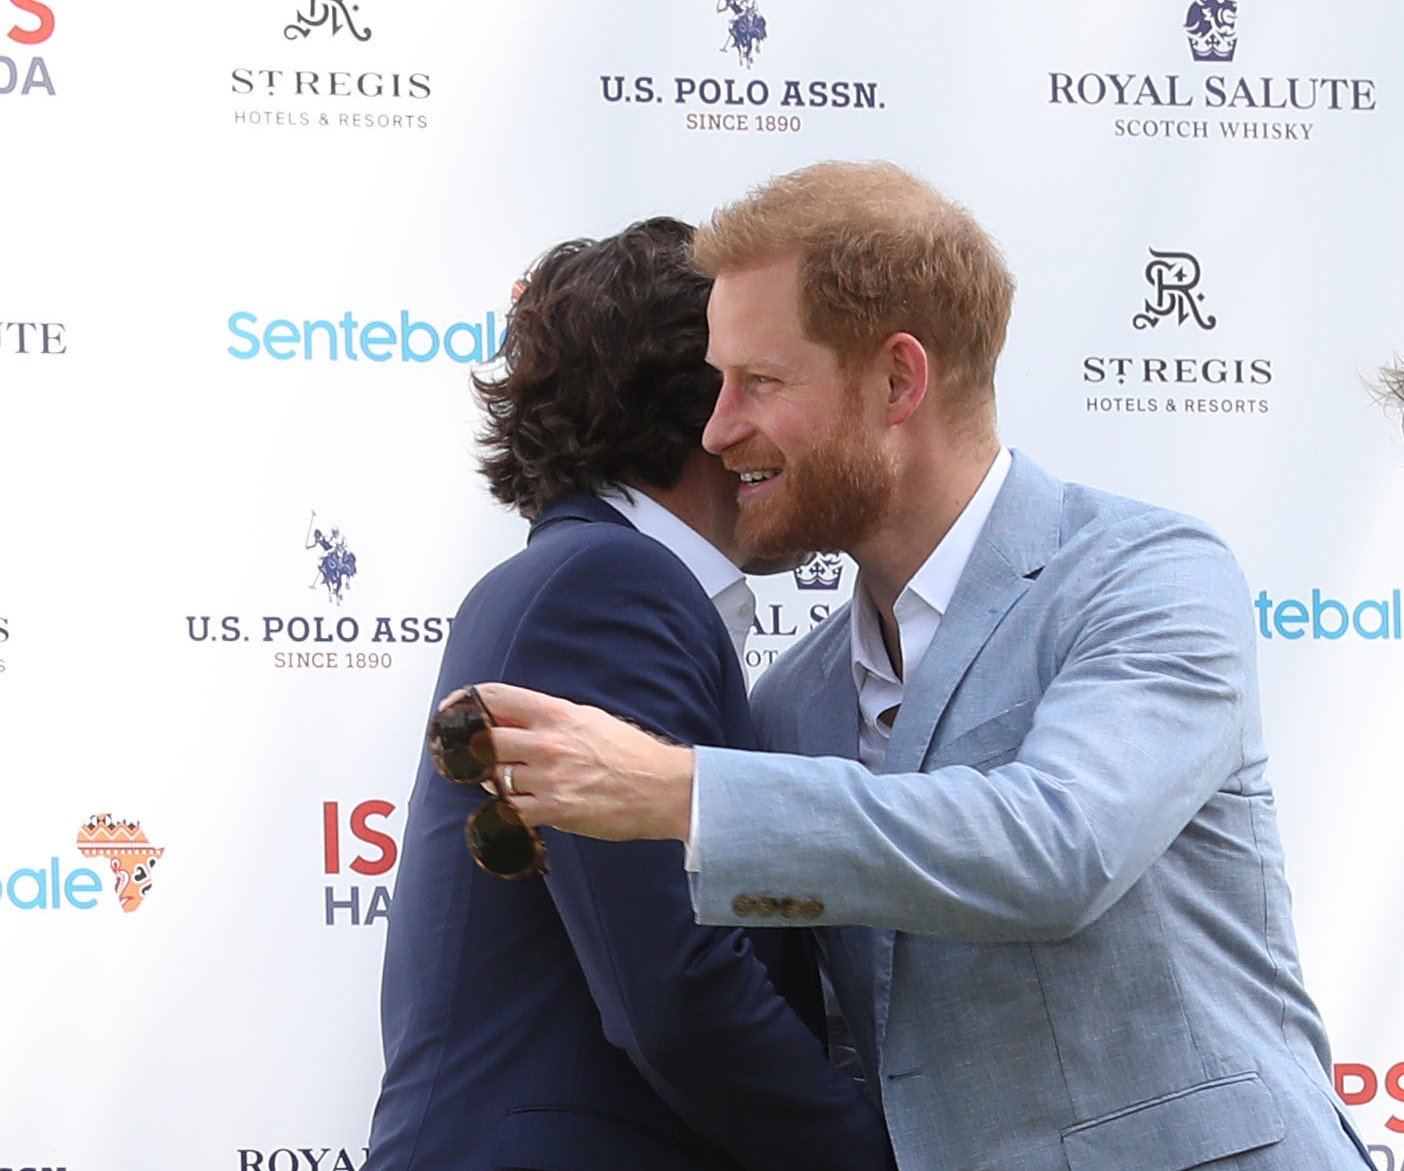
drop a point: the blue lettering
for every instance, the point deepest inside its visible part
(1320, 607)
(1330, 618)
(76, 894)
(311, 327)
(376, 333)
(407, 330)
(280, 333)
(34, 889)
(248, 337)
(476, 353)
(1290, 611)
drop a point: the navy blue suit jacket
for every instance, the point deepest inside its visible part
(586, 1021)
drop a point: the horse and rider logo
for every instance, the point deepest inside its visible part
(336, 564)
(745, 29)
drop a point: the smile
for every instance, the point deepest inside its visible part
(757, 477)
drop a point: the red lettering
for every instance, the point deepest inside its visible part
(46, 23)
(373, 837)
(331, 839)
(1394, 1087)
(1362, 1073)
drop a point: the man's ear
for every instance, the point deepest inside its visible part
(906, 366)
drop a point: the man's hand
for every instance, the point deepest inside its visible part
(579, 769)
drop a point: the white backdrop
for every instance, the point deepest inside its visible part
(186, 197)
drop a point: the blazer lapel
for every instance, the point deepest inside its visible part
(1015, 544)
(828, 720)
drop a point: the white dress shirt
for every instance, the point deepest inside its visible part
(719, 578)
(918, 611)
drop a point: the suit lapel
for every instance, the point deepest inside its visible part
(1016, 542)
(828, 717)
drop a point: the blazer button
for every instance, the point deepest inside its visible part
(789, 908)
(811, 909)
(766, 906)
(743, 905)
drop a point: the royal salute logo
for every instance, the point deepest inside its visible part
(309, 638)
(1189, 382)
(820, 571)
(1212, 28)
(130, 856)
(21, 73)
(344, 90)
(335, 17)
(1174, 280)
(32, 338)
(1255, 106)
(745, 29)
(301, 1158)
(742, 103)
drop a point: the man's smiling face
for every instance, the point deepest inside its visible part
(790, 422)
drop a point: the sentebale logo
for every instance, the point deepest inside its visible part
(132, 857)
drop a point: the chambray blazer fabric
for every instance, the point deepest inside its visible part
(1076, 951)
(584, 1022)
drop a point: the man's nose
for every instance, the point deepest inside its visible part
(726, 426)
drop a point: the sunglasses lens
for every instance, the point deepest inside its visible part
(502, 841)
(458, 743)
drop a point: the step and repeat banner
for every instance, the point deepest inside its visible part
(250, 259)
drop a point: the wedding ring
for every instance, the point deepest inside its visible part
(507, 786)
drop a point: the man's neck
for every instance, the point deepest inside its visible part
(927, 503)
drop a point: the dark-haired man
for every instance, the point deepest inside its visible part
(583, 1022)
(1039, 830)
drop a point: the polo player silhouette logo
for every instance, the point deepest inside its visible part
(745, 31)
(336, 564)
(1212, 28)
(129, 853)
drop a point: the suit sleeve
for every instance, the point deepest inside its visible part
(626, 628)
(1141, 720)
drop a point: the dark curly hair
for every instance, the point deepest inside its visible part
(605, 379)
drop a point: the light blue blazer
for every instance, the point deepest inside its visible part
(1075, 950)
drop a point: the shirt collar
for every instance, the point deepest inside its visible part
(713, 571)
(928, 595)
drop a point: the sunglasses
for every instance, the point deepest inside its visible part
(461, 749)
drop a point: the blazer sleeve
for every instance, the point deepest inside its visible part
(1067, 800)
(625, 627)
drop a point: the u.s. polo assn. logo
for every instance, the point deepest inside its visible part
(1212, 28)
(744, 31)
(336, 564)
